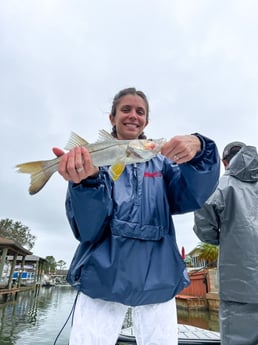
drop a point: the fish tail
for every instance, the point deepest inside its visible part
(40, 172)
(116, 169)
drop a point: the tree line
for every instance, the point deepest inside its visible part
(22, 236)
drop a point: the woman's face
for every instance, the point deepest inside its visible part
(131, 117)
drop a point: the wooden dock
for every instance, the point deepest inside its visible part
(209, 302)
(191, 302)
(11, 294)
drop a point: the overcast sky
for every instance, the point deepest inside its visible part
(61, 62)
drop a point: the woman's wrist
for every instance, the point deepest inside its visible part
(95, 172)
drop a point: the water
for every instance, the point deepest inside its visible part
(198, 318)
(38, 319)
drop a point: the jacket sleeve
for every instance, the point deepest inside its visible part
(89, 206)
(191, 184)
(207, 222)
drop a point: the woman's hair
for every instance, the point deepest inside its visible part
(117, 98)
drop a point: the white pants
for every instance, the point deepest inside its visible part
(98, 322)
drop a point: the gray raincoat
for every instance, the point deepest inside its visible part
(229, 219)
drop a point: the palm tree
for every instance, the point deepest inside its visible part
(209, 253)
(50, 264)
(60, 265)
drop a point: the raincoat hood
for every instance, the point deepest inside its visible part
(244, 166)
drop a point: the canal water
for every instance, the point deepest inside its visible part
(32, 320)
(198, 318)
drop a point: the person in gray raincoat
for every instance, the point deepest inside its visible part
(229, 218)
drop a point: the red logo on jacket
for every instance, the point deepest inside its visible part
(152, 174)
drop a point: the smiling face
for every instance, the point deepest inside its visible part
(131, 117)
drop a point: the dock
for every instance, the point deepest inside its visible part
(11, 294)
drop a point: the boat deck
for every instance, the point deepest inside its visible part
(186, 335)
(191, 332)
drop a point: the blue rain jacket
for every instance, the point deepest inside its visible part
(128, 251)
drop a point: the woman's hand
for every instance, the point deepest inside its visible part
(182, 148)
(75, 165)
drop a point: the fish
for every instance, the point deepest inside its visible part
(106, 151)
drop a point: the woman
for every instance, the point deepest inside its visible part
(128, 254)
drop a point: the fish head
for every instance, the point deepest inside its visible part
(144, 149)
(153, 145)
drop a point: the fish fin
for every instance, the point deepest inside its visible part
(105, 136)
(40, 172)
(75, 140)
(116, 169)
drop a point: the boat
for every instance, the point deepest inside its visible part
(47, 281)
(24, 276)
(190, 335)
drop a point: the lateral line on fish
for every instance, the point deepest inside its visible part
(131, 151)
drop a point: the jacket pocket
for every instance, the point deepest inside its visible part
(138, 231)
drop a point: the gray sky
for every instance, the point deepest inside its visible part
(61, 62)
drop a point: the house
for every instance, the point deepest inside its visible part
(18, 267)
(29, 270)
(202, 293)
(193, 260)
(9, 248)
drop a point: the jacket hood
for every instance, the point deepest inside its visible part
(244, 166)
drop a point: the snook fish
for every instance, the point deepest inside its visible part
(107, 151)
